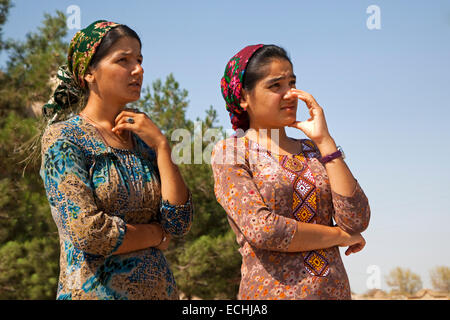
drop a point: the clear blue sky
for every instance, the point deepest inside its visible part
(385, 94)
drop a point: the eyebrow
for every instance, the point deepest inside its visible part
(128, 53)
(273, 80)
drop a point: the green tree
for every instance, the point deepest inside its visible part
(209, 267)
(31, 65)
(29, 247)
(5, 6)
(404, 281)
(28, 269)
(166, 105)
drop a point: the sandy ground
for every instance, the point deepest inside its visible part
(424, 294)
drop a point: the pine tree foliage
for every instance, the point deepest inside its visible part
(29, 248)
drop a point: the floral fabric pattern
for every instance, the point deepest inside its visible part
(95, 190)
(259, 192)
(231, 84)
(83, 47)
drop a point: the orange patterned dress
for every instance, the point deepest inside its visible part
(264, 195)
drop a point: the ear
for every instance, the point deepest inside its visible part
(243, 101)
(89, 77)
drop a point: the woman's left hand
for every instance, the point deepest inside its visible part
(315, 128)
(142, 126)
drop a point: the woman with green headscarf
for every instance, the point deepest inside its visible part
(115, 194)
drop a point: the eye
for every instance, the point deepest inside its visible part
(122, 59)
(275, 85)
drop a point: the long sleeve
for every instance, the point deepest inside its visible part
(177, 219)
(237, 193)
(352, 214)
(72, 201)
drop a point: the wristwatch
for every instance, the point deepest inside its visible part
(334, 155)
(164, 238)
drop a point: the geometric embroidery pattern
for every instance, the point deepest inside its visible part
(303, 214)
(304, 207)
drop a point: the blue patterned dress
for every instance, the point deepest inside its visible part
(94, 190)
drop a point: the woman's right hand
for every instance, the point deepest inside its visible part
(355, 242)
(141, 125)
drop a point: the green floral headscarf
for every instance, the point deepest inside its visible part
(71, 87)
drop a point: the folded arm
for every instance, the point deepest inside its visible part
(237, 193)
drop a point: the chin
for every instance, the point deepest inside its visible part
(289, 121)
(133, 98)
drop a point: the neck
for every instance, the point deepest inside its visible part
(275, 135)
(274, 139)
(102, 111)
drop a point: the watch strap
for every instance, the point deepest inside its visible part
(330, 157)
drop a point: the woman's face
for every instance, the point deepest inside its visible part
(268, 104)
(118, 76)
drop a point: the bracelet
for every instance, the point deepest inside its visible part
(164, 238)
(334, 155)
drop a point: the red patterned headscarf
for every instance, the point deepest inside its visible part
(231, 86)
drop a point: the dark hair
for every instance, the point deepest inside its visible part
(256, 68)
(255, 71)
(108, 41)
(111, 37)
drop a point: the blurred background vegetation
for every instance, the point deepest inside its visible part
(206, 262)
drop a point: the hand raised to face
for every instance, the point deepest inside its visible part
(315, 128)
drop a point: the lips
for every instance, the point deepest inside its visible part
(135, 85)
(289, 107)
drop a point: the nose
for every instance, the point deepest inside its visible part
(288, 94)
(138, 69)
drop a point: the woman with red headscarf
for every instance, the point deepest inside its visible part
(281, 194)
